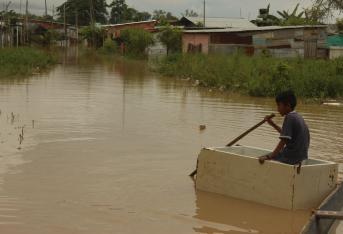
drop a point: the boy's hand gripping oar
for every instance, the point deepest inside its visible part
(243, 135)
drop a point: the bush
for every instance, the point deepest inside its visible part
(98, 33)
(47, 38)
(136, 41)
(23, 61)
(172, 38)
(260, 75)
(109, 47)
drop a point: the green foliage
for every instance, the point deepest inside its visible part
(81, 9)
(94, 35)
(295, 18)
(285, 14)
(190, 13)
(163, 17)
(172, 38)
(47, 38)
(260, 75)
(136, 41)
(310, 16)
(328, 7)
(9, 17)
(265, 18)
(121, 13)
(109, 47)
(339, 23)
(23, 61)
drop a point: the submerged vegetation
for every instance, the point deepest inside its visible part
(23, 61)
(260, 75)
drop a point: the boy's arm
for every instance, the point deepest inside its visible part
(271, 123)
(277, 150)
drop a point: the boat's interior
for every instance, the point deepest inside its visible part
(256, 152)
(244, 151)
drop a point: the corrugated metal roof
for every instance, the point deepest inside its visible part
(216, 22)
(130, 23)
(252, 29)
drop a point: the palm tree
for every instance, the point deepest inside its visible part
(286, 16)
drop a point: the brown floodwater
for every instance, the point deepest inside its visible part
(108, 146)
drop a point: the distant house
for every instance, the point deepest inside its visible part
(38, 28)
(289, 41)
(113, 30)
(215, 22)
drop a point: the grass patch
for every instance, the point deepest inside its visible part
(260, 75)
(23, 61)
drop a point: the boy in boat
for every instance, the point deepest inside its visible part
(294, 134)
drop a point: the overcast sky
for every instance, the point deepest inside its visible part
(215, 8)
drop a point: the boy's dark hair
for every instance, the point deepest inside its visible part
(287, 98)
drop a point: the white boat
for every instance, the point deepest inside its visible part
(236, 172)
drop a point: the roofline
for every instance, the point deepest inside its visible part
(239, 18)
(130, 23)
(257, 29)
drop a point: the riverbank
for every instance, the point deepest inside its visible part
(257, 76)
(24, 61)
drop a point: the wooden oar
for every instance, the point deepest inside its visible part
(242, 136)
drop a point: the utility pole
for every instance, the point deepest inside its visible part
(65, 23)
(92, 21)
(27, 21)
(77, 24)
(53, 12)
(46, 9)
(204, 13)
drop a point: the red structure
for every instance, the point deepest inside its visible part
(46, 24)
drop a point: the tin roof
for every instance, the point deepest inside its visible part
(131, 23)
(217, 22)
(252, 29)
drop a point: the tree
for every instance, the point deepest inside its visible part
(305, 17)
(121, 13)
(309, 16)
(81, 10)
(323, 9)
(315, 14)
(94, 35)
(143, 16)
(172, 38)
(330, 5)
(118, 9)
(285, 14)
(265, 18)
(136, 41)
(190, 13)
(163, 17)
(294, 18)
(339, 23)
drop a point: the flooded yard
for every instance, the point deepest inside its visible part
(108, 147)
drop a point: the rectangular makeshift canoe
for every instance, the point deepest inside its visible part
(236, 172)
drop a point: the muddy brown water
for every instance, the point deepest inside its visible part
(111, 146)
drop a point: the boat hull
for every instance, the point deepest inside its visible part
(236, 172)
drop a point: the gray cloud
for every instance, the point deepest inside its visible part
(223, 8)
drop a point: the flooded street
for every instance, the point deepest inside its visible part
(108, 147)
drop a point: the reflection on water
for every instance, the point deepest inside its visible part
(113, 144)
(247, 216)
